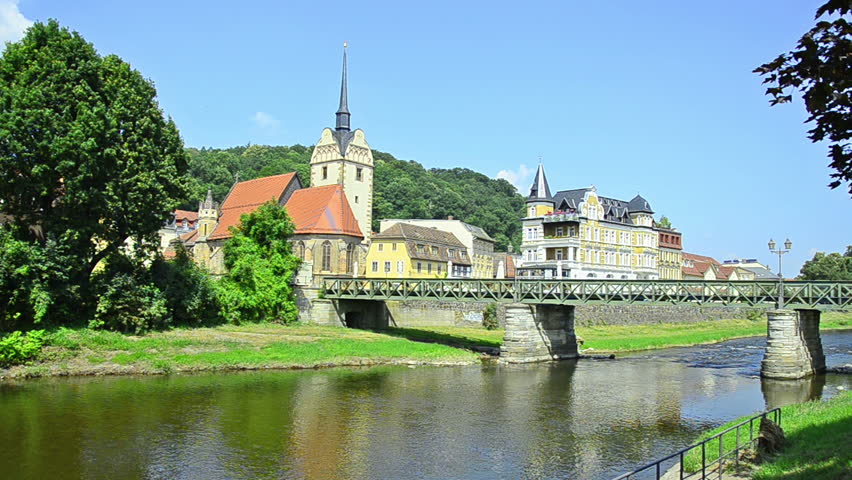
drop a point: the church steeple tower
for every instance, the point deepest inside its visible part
(342, 156)
(343, 109)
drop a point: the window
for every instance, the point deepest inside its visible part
(400, 267)
(532, 211)
(381, 247)
(324, 173)
(419, 267)
(420, 248)
(434, 250)
(428, 268)
(326, 256)
(387, 267)
(558, 231)
(299, 250)
(350, 249)
(394, 247)
(439, 269)
(375, 267)
(451, 253)
(559, 254)
(358, 176)
(356, 198)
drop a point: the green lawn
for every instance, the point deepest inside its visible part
(819, 443)
(616, 338)
(84, 351)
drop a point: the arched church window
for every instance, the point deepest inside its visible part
(326, 256)
(349, 259)
(299, 250)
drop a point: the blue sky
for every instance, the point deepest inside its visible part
(650, 97)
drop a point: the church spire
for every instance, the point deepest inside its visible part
(343, 110)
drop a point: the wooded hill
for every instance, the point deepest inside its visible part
(403, 189)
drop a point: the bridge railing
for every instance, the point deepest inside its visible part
(707, 458)
(822, 295)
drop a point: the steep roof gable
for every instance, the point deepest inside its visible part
(246, 196)
(322, 210)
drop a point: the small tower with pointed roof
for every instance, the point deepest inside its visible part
(540, 201)
(208, 215)
(343, 157)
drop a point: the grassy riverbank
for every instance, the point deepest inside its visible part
(818, 438)
(626, 338)
(228, 347)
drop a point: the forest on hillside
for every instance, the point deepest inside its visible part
(403, 189)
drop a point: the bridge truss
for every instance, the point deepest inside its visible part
(797, 295)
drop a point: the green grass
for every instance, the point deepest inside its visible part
(230, 346)
(819, 435)
(625, 338)
(464, 337)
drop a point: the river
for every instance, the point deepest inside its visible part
(586, 419)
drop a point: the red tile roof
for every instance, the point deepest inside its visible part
(245, 197)
(322, 210)
(700, 258)
(190, 216)
(188, 238)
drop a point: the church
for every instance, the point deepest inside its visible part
(332, 218)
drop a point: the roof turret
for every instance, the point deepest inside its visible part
(540, 189)
(639, 205)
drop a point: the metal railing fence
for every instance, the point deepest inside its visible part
(807, 295)
(712, 466)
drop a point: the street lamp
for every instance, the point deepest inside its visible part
(788, 245)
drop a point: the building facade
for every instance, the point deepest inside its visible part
(479, 245)
(404, 250)
(579, 234)
(670, 242)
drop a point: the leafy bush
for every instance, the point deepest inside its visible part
(17, 348)
(754, 315)
(260, 268)
(489, 317)
(34, 284)
(191, 296)
(129, 304)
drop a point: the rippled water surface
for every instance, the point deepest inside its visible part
(590, 419)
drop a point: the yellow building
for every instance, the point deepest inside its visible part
(479, 245)
(579, 234)
(411, 251)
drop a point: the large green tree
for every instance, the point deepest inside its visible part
(833, 266)
(821, 68)
(87, 159)
(260, 267)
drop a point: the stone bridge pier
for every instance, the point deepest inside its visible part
(538, 333)
(793, 345)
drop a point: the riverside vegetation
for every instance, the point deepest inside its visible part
(813, 430)
(84, 351)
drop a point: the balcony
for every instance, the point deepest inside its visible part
(561, 217)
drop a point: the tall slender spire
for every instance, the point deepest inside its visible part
(343, 110)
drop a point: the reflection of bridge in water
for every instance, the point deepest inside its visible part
(540, 313)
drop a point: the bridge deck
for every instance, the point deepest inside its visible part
(801, 295)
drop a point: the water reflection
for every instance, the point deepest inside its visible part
(587, 419)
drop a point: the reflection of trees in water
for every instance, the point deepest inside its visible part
(779, 393)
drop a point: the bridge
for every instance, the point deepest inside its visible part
(797, 295)
(540, 313)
